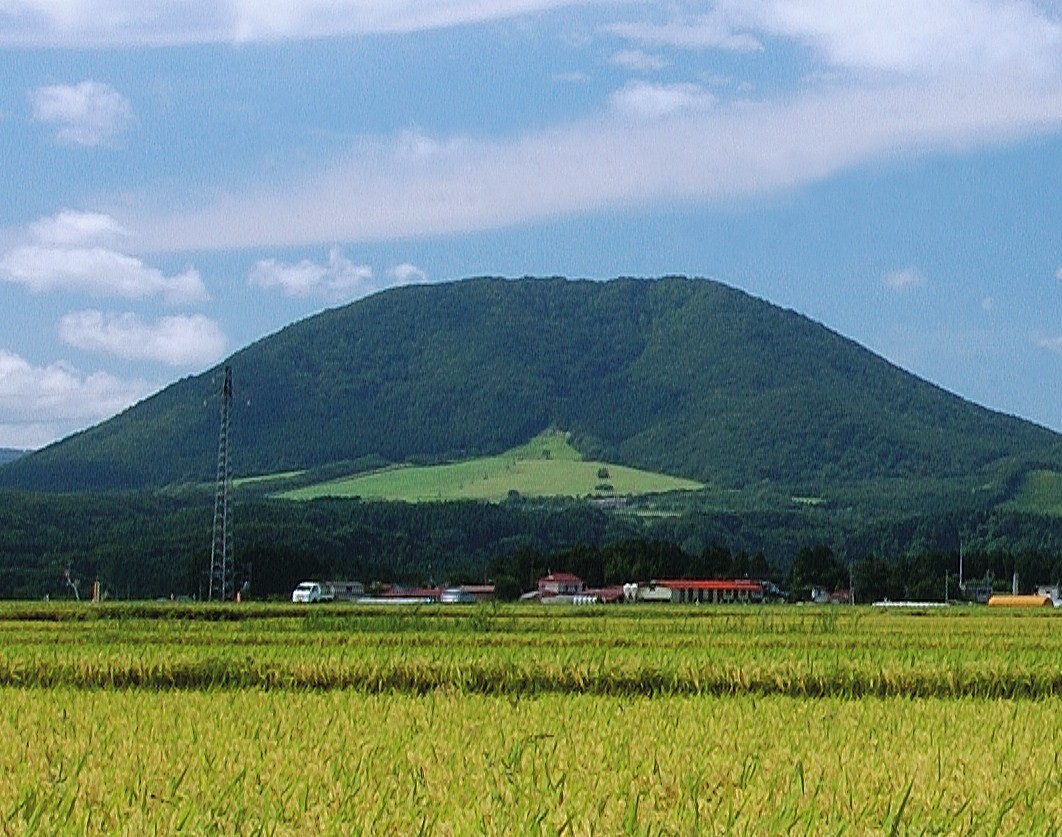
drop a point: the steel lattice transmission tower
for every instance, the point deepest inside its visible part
(222, 570)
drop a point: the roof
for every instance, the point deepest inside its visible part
(482, 589)
(607, 594)
(410, 592)
(741, 584)
(560, 577)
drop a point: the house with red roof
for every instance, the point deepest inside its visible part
(560, 584)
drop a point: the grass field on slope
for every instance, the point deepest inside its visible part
(547, 466)
(1041, 493)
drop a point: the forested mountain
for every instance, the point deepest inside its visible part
(9, 455)
(682, 376)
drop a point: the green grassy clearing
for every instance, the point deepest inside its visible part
(1041, 493)
(547, 466)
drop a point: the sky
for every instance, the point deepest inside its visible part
(181, 178)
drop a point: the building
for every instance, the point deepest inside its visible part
(479, 592)
(823, 595)
(695, 591)
(559, 584)
(343, 591)
(467, 594)
(396, 594)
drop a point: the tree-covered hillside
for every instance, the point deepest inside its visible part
(9, 455)
(681, 376)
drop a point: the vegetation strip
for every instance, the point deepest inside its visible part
(252, 761)
(828, 652)
(503, 681)
(162, 718)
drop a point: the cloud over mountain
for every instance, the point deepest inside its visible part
(39, 403)
(74, 251)
(182, 341)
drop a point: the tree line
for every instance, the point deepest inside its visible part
(148, 545)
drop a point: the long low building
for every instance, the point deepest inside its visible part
(697, 591)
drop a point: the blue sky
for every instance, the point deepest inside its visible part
(183, 178)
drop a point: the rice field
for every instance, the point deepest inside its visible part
(638, 720)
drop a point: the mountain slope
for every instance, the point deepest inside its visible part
(686, 377)
(9, 455)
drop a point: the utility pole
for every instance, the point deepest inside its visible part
(222, 585)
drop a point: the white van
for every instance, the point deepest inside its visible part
(308, 592)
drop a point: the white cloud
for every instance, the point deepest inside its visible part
(1054, 344)
(417, 185)
(64, 256)
(909, 37)
(574, 77)
(905, 279)
(89, 113)
(339, 279)
(913, 37)
(180, 341)
(168, 22)
(710, 31)
(642, 100)
(97, 271)
(70, 229)
(639, 61)
(39, 404)
(407, 274)
(1058, 274)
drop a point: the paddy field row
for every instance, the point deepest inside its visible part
(510, 720)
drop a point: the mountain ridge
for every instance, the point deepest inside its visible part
(681, 376)
(10, 455)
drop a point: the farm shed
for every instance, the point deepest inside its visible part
(479, 592)
(343, 591)
(560, 584)
(651, 592)
(689, 591)
(467, 594)
(600, 595)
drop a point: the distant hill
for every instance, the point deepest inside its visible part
(10, 455)
(679, 376)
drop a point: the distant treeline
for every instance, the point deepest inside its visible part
(924, 577)
(148, 545)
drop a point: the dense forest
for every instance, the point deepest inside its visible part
(9, 455)
(680, 376)
(158, 545)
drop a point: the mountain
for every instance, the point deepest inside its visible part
(9, 455)
(682, 376)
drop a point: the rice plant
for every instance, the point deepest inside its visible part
(528, 720)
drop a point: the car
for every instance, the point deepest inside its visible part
(307, 592)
